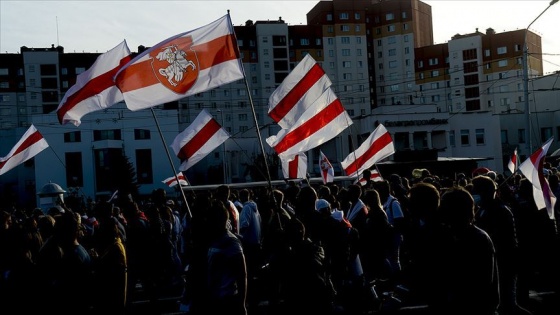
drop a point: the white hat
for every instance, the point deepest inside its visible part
(321, 203)
(338, 215)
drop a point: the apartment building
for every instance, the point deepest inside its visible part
(459, 99)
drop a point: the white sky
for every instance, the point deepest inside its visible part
(97, 26)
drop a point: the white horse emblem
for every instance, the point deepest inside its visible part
(178, 64)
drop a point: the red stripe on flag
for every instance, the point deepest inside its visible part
(377, 146)
(293, 167)
(214, 52)
(27, 143)
(311, 126)
(198, 141)
(91, 88)
(296, 93)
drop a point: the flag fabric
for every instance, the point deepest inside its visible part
(95, 88)
(172, 181)
(377, 146)
(327, 170)
(295, 167)
(513, 163)
(30, 144)
(532, 169)
(375, 176)
(299, 90)
(201, 137)
(324, 120)
(181, 66)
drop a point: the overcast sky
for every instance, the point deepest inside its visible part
(97, 26)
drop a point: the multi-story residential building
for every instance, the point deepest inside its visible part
(459, 99)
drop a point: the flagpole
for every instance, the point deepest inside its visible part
(189, 214)
(268, 179)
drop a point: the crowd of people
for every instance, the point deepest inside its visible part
(474, 244)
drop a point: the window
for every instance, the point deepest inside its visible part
(346, 52)
(80, 70)
(347, 76)
(73, 136)
(347, 64)
(4, 85)
(420, 64)
(142, 134)
(452, 137)
(487, 53)
(242, 117)
(358, 40)
(345, 40)
(502, 63)
(344, 16)
(389, 16)
(392, 64)
(331, 53)
(433, 61)
(391, 28)
(144, 166)
(304, 41)
(521, 135)
(329, 17)
(406, 50)
(357, 28)
(74, 169)
(502, 50)
(112, 134)
(465, 137)
(479, 136)
(379, 42)
(504, 136)
(435, 73)
(358, 52)
(345, 28)
(392, 40)
(330, 29)
(330, 41)
(392, 52)
(546, 133)
(356, 16)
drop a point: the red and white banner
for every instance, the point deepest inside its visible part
(95, 88)
(172, 181)
(201, 137)
(299, 90)
(295, 167)
(513, 163)
(183, 65)
(375, 176)
(323, 120)
(27, 147)
(327, 170)
(532, 169)
(377, 146)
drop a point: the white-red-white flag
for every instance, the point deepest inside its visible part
(513, 162)
(299, 90)
(295, 167)
(172, 181)
(327, 170)
(374, 176)
(95, 88)
(377, 146)
(201, 137)
(30, 144)
(323, 120)
(532, 169)
(183, 65)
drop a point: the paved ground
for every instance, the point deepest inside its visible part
(540, 303)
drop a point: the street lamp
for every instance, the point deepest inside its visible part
(224, 147)
(526, 81)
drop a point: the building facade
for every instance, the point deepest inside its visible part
(462, 98)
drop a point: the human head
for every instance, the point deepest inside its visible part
(456, 207)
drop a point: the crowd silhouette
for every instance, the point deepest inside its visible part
(468, 245)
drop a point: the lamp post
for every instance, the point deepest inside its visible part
(224, 147)
(526, 81)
